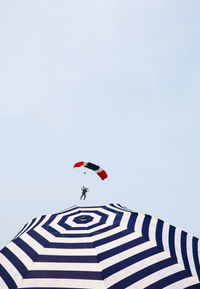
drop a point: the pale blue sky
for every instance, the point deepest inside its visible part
(111, 82)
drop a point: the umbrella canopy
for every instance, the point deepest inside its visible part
(100, 247)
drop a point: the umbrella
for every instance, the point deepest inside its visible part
(100, 247)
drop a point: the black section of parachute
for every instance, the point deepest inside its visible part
(92, 166)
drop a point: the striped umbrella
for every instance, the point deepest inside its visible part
(100, 247)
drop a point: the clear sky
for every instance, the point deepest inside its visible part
(111, 82)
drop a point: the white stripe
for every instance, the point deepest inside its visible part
(125, 219)
(152, 229)
(120, 275)
(183, 283)
(3, 284)
(158, 275)
(120, 209)
(117, 242)
(66, 266)
(126, 254)
(26, 260)
(111, 232)
(190, 255)
(178, 246)
(12, 271)
(62, 283)
(165, 237)
(139, 223)
(51, 238)
(54, 251)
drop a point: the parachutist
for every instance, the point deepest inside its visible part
(84, 191)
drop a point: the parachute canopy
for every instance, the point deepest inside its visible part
(100, 172)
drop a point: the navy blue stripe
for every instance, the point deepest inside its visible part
(55, 288)
(121, 248)
(51, 218)
(172, 242)
(45, 243)
(48, 228)
(118, 218)
(142, 274)
(159, 232)
(40, 239)
(52, 231)
(132, 220)
(26, 248)
(67, 259)
(30, 225)
(118, 205)
(103, 230)
(82, 235)
(130, 261)
(15, 261)
(71, 245)
(118, 214)
(145, 226)
(169, 280)
(89, 275)
(112, 237)
(196, 255)
(39, 221)
(7, 278)
(184, 251)
(113, 211)
(121, 208)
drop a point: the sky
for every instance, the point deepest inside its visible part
(112, 82)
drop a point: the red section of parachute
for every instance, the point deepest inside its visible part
(79, 164)
(99, 171)
(103, 175)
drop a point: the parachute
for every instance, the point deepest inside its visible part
(100, 172)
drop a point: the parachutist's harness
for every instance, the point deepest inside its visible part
(84, 191)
